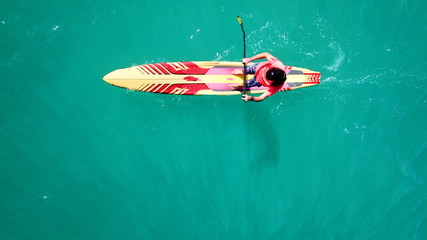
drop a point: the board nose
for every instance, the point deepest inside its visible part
(111, 76)
(131, 73)
(116, 77)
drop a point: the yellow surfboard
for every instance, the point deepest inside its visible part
(198, 78)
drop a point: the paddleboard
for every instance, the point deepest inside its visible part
(198, 78)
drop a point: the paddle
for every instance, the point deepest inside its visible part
(244, 55)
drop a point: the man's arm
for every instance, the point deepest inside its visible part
(248, 98)
(266, 55)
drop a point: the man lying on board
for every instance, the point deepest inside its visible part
(270, 73)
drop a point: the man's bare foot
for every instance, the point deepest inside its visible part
(237, 72)
(235, 86)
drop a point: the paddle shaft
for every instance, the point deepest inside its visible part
(244, 54)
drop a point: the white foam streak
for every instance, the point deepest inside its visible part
(339, 57)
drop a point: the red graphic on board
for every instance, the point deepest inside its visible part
(187, 68)
(312, 78)
(185, 89)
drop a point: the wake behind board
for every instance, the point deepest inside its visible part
(198, 78)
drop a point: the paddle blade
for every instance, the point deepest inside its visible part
(241, 23)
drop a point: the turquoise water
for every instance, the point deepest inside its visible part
(81, 159)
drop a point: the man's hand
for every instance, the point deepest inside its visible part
(246, 60)
(247, 98)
